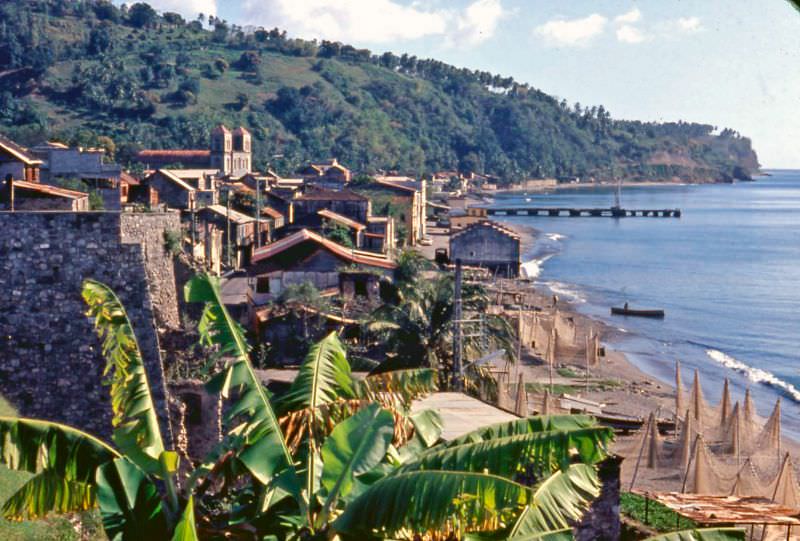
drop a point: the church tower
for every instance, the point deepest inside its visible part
(221, 149)
(242, 155)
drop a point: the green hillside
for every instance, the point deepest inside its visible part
(86, 71)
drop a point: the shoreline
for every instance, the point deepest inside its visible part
(605, 184)
(636, 393)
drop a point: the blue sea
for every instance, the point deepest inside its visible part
(727, 273)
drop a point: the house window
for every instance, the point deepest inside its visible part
(361, 288)
(472, 254)
(262, 284)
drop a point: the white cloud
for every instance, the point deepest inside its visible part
(375, 21)
(188, 8)
(689, 24)
(629, 34)
(478, 22)
(631, 16)
(572, 32)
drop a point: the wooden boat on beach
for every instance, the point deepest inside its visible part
(625, 311)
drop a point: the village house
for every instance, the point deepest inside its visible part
(17, 162)
(343, 202)
(489, 245)
(88, 165)
(305, 256)
(166, 187)
(410, 195)
(23, 195)
(229, 153)
(380, 235)
(214, 224)
(328, 174)
(461, 218)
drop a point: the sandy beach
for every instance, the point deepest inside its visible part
(615, 382)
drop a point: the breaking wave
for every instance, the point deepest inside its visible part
(756, 375)
(565, 291)
(533, 268)
(555, 237)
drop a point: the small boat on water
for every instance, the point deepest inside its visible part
(626, 311)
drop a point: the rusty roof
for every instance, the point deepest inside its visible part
(488, 223)
(304, 235)
(706, 509)
(46, 189)
(323, 194)
(344, 220)
(18, 151)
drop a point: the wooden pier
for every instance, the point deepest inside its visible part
(554, 212)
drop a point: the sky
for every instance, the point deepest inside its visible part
(727, 63)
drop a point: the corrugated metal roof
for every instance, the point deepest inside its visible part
(487, 223)
(705, 509)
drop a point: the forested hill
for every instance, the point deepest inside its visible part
(87, 72)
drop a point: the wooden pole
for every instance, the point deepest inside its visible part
(458, 368)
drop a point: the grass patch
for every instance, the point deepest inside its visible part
(567, 372)
(49, 529)
(659, 517)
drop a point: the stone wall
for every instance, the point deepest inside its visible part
(50, 361)
(147, 229)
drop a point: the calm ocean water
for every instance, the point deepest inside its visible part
(727, 273)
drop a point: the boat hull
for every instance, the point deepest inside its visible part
(656, 314)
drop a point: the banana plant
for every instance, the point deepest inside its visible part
(363, 465)
(74, 471)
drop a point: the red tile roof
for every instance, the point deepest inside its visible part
(304, 235)
(271, 212)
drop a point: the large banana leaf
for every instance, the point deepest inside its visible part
(527, 425)
(136, 430)
(706, 534)
(561, 497)
(356, 446)
(508, 456)
(130, 505)
(48, 492)
(64, 459)
(324, 377)
(557, 535)
(264, 450)
(186, 530)
(428, 426)
(433, 501)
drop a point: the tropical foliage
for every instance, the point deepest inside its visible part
(417, 327)
(321, 460)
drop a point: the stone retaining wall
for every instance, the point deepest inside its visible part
(50, 362)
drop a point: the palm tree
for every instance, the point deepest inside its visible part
(417, 330)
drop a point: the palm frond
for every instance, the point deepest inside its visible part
(561, 497)
(434, 501)
(136, 428)
(186, 529)
(539, 453)
(528, 425)
(324, 377)
(264, 451)
(64, 459)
